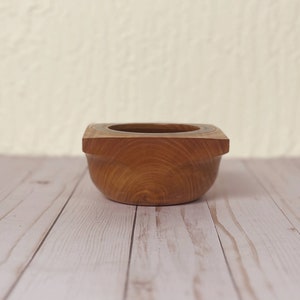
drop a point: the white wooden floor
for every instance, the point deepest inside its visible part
(61, 239)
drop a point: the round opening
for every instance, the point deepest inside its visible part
(154, 128)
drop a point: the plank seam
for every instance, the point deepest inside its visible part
(130, 255)
(225, 258)
(6, 296)
(22, 180)
(268, 193)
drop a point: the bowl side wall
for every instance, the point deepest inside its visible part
(152, 173)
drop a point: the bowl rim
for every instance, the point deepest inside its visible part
(105, 130)
(209, 136)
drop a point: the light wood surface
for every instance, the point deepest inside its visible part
(88, 250)
(260, 243)
(61, 239)
(154, 164)
(29, 211)
(179, 248)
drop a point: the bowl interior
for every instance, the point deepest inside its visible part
(153, 127)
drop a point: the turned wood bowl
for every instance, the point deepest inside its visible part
(153, 164)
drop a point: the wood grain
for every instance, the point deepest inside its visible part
(86, 253)
(28, 212)
(259, 242)
(177, 255)
(154, 164)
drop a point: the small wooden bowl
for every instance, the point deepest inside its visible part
(153, 164)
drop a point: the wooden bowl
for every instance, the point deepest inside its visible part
(153, 164)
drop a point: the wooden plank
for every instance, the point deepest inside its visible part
(85, 256)
(281, 179)
(13, 170)
(261, 246)
(176, 255)
(28, 212)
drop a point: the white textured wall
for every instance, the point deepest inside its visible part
(66, 63)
